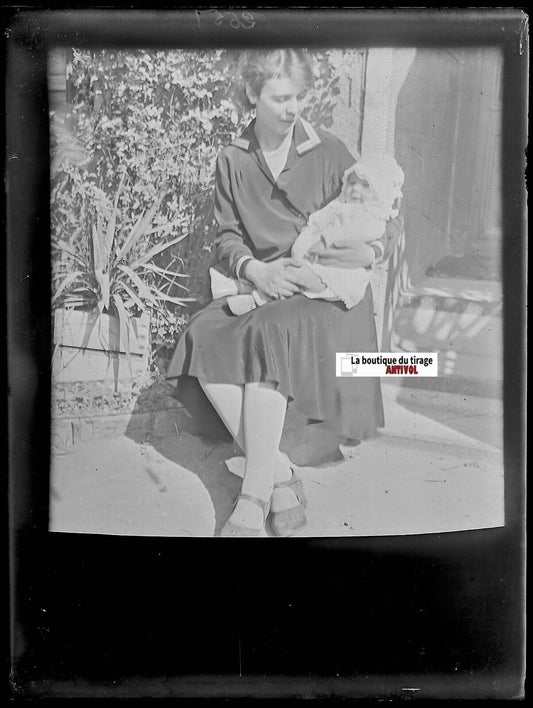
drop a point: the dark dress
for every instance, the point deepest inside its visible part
(290, 343)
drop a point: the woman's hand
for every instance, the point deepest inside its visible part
(281, 278)
(345, 254)
(308, 281)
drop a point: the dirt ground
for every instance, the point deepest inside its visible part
(431, 470)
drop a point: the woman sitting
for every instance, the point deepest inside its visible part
(251, 368)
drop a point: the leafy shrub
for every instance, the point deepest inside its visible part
(160, 118)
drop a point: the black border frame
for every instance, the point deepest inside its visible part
(355, 617)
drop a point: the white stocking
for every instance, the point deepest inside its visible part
(264, 417)
(254, 414)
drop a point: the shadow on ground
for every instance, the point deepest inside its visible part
(201, 444)
(201, 449)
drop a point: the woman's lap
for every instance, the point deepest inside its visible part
(291, 343)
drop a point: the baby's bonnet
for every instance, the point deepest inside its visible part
(385, 178)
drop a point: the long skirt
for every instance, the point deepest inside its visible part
(292, 344)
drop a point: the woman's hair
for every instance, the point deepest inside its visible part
(259, 66)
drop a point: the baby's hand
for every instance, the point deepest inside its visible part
(316, 249)
(347, 254)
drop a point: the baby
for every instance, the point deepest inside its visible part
(369, 192)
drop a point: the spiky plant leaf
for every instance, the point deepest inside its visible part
(140, 228)
(163, 271)
(110, 231)
(156, 250)
(134, 298)
(124, 327)
(68, 280)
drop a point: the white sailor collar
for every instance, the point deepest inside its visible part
(305, 137)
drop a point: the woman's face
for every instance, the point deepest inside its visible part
(278, 106)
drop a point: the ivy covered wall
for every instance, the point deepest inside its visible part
(161, 118)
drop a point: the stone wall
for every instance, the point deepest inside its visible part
(348, 113)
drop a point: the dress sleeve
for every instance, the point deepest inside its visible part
(389, 240)
(229, 238)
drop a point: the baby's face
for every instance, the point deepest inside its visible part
(358, 190)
